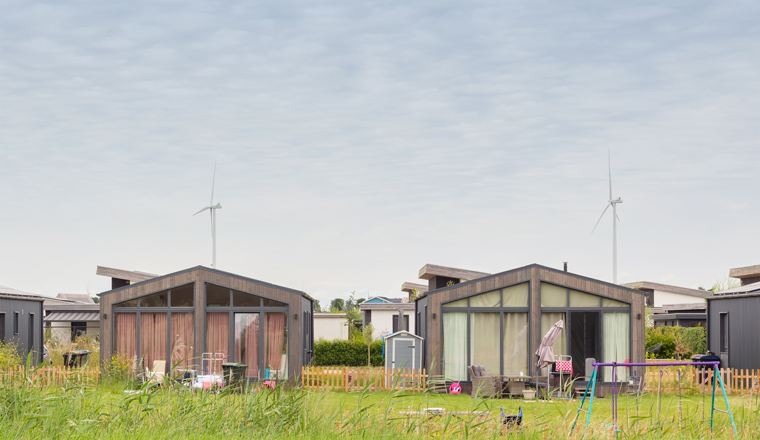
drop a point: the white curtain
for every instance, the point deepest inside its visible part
(484, 341)
(515, 344)
(455, 345)
(616, 343)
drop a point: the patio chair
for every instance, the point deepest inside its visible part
(157, 374)
(484, 385)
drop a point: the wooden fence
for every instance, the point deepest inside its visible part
(50, 376)
(357, 379)
(695, 379)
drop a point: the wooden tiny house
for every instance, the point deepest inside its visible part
(498, 321)
(181, 316)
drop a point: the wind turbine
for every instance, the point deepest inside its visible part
(212, 208)
(612, 202)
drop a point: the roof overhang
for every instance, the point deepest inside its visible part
(131, 275)
(408, 287)
(429, 271)
(668, 288)
(745, 272)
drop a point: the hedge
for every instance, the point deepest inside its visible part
(676, 341)
(347, 353)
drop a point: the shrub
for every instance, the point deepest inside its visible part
(348, 353)
(680, 341)
(9, 355)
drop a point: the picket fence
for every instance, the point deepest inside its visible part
(357, 379)
(50, 376)
(735, 380)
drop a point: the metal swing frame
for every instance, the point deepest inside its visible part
(614, 365)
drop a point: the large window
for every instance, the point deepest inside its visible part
(259, 333)
(489, 329)
(142, 328)
(563, 303)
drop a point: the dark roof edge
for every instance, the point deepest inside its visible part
(22, 297)
(209, 269)
(530, 266)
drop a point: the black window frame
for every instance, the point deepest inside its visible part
(723, 333)
(15, 322)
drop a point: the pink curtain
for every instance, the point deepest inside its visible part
(183, 339)
(275, 340)
(153, 333)
(126, 335)
(251, 356)
(218, 336)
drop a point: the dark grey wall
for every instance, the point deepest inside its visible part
(743, 330)
(25, 340)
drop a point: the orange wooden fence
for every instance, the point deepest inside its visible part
(735, 380)
(357, 379)
(50, 376)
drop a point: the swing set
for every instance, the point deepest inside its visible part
(614, 365)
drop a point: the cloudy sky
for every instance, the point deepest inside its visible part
(357, 141)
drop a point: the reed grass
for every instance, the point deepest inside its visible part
(122, 410)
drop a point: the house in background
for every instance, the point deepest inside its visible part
(682, 315)
(498, 321)
(657, 294)
(179, 317)
(387, 315)
(69, 315)
(733, 321)
(21, 322)
(330, 326)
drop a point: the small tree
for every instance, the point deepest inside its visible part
(337, 305)
(368, 337)
(317, 308)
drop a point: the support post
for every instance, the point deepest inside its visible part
(728, 408)
(591, 402)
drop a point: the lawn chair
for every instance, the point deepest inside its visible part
(157, 374)
(484, 385)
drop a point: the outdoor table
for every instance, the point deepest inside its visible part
(75, 358)
(513, 385)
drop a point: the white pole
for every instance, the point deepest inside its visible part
(614, 242)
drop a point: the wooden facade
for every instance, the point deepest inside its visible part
(299, 305)
(429, 311)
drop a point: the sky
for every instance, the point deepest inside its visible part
(355, 142)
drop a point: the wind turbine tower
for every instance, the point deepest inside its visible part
(212, 208)
(612, 202)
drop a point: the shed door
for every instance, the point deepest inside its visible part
(404, 353)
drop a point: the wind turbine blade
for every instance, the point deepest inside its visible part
(213, 181)
(208, 207)
(600, 217)
(609, 169)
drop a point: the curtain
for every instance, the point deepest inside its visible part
(247, 341)
(217, 338)
(126, 335)
(183, 339)
(153, 333)
(484, 341)
(515, 344)
(616, 343)
(455, 345)
(275, 340)
(547, 321)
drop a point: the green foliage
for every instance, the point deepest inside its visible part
(9, 355)
(337, 305)
(680, 341)
(351, 353)
(317, 307)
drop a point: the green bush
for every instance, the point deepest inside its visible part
(347, 353)
(676, 341)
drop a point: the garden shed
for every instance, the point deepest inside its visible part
(199, 318)
(403, 350)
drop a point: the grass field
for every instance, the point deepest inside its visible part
(106, 411)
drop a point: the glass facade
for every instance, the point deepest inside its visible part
(488, 329)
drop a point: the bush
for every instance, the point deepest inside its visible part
(10, 357)
(347, 353)
(676, 341)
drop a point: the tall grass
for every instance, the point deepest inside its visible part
(121, 410)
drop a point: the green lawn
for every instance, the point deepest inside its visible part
(107, 411)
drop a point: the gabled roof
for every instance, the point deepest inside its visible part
(216, 271)
(455, 286)
(668, 288)
(382, 300)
